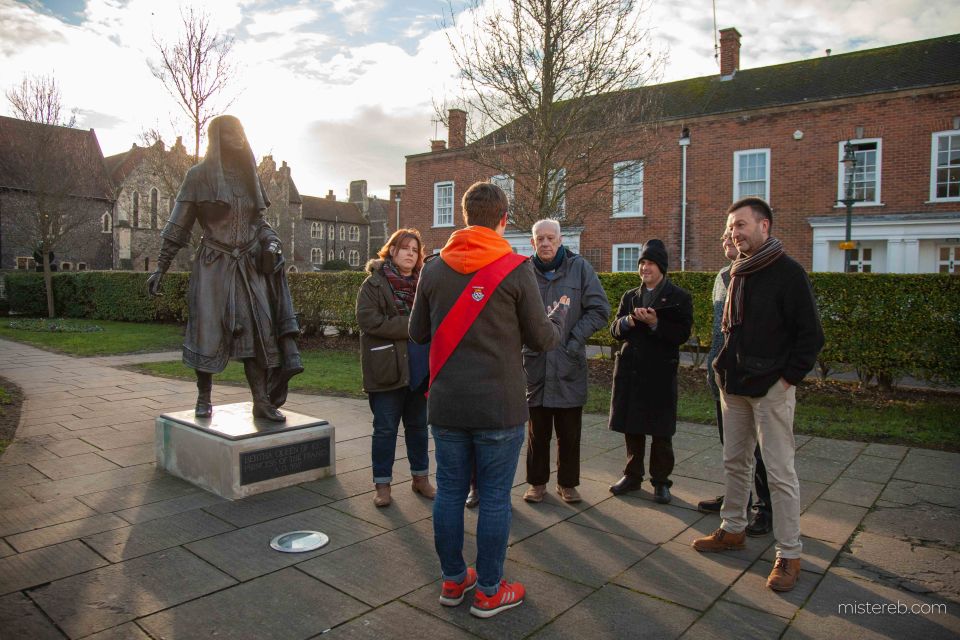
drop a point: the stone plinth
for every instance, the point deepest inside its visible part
(235, 455)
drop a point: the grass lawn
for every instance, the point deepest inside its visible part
(78, 340)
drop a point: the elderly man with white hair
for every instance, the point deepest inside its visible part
(557, 379)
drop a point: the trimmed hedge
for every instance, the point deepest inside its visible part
(885, 325)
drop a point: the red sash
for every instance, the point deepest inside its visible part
(466, 309)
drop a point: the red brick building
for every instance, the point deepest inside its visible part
(777, 132)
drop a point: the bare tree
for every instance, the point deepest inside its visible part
(196, 70)
(543, 82)
(47, 167)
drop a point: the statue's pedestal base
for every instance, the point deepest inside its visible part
(235, 455)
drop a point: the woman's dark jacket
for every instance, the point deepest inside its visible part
(383, 334)
(644, 398)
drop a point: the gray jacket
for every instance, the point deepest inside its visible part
(720, 285)
(558, 378)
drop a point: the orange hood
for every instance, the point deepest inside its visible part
(472, 248)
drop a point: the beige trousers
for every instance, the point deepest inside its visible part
(770, 420)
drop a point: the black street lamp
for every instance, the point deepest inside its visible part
(849, 166)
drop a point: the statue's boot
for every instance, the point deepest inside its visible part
(204, 387)
(257, 379)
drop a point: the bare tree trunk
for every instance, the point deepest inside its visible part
(48, 283)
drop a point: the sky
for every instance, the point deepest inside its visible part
(344, 89)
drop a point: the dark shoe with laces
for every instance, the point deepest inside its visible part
(661, 494)
(710, 506)
(761, 523)
(625, 485)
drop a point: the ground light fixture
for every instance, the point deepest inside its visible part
(299, 541)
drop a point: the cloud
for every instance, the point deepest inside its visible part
(24, 27)
(283, 21)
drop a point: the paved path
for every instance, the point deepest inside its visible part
(95, 542)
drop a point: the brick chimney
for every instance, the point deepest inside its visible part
(358, 191)
(284, 169)
(456, 128)
(330, 195)
(437, 145)
(267, 165)
(729, 51)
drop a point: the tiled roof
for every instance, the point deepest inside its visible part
(119, 166)
(331, 210)
(81, 160)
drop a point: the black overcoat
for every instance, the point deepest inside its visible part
(644, 398)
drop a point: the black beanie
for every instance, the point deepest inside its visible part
(655, 252)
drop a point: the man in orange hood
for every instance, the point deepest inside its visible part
(477, 405)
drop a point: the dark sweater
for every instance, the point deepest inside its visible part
(780, 336)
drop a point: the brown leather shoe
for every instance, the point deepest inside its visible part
(786, 572)
(568, 494)
(535, 493)
(382, 499)
(421, 485)
(720, 540)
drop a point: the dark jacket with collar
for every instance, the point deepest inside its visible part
(558, 378)
(383, 334)
(644, 398)
(780, 336)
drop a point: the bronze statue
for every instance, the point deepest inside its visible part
(239, 301)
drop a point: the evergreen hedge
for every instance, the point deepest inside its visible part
(885, 325)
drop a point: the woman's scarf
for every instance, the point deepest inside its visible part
(404, 288)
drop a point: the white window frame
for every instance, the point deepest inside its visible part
(440, 215)
(29, 264)
(933, 164)
(343, 232)
(841, 172)
(621, 188)
(354, 233)
(316, 231)
(858, 262)
(953, 265)
(330, 255)
(106, 223)
(354, 258)
(316, 253)
(737, 182)
(615, 256)
(342, 254)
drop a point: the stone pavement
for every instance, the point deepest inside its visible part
(96, 543)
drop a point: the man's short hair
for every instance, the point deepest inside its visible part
(759, 207)
(484, 204)
(544, 222)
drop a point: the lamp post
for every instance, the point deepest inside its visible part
(849, 166)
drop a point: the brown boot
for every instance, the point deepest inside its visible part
(568, 494)
(382, 499)
(535, 493)
(720, 540)
(786, 572)
(421, 485)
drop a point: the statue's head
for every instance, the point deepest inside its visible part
(226, 137)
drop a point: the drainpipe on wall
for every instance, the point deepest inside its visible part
(398, 211)
(684, 143)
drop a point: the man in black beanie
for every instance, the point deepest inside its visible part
(653, 320)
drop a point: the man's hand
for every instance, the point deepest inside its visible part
(645, 315)
(153, 283)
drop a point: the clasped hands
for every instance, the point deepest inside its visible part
(646, 315)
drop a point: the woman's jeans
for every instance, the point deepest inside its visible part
(388, 408)
(495, 453)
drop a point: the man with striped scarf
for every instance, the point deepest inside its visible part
(772, 336)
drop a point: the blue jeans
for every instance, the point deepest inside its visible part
(495, 453)
(389, 407)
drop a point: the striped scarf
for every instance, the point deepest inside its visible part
(404, 288)
(769, 252)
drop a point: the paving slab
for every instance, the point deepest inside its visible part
(697, 443)
(37, 515)
(606, 468)
(347, 485)
(751, 590)
(527, 519)
(725, 620)
(77, 465)
(396, 620)
(581, 554)
(18, 475)
(547, 597)
(406, 507)
(919, 522)
(25, 453)
(831, 521)
(130, 456)
(837, 450)
(928, 469)
(591, 492)
(679, 574)
(831, 613)
(903, 565)
(266, 506)
(14, 497)
(20, 618)
(871, 468)
(143, 434)
(72, 447)
(638, 519)
(615, 612)
(91, 483)
(853, 491)
(755, 547)
(358, 570)
(112, 595)
(285, 604)
(163, 508)
(135, 540)
(32, 568)
(687, 492)
(906, 492)
(816, 469)
(6, 549)
(706, 465)
(126, 631)
(817, 557)
(161, 487)
(72, 530)
(809, 492)
(246, 553)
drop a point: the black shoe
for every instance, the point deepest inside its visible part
(661, 494)
(268, 412)
(204, 409)
(710, 506)
(760, 524)
(625, 484)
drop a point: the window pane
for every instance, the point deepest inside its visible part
(628, 188)
(627, 258)
(867, 253)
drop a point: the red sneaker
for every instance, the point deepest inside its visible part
(452, 593)
(509, 595)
